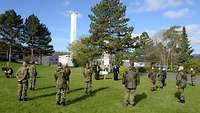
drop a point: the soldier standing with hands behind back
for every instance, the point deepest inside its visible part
(87, 74)
(61, 84)
(131, 81)
(152, 76)
(22, 79)
(181, 83)
(33, 75)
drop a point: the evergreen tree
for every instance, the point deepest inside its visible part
(109, 29)
(185, 49)
(44, 39)
(11, 29)
(32, 24)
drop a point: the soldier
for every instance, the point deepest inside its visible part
(33, 75)
(162, 76)
(193, 76)
(152, 76)
(181, 83)
(22, 79)
(61, 84)
(87, 74)
(67, 73)
(130, 81)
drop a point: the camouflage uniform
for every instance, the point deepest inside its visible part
(181, 83)
(193, 77)
(130, 80)
(87, 74)
(67, 74)
(161, 77)
(33, 75)
(152, 76)
(22, 79)
(61, 84)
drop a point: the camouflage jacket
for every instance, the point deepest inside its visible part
(22, 74)
(61, 78)
(87, 74)
(181, 79)
(67, 72)
(32, 71)
(131, 78)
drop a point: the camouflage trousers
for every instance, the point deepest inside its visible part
(153, 85)
(68, 81)
(88, 86)
(32, 82)
(193, 80)
(180, 94)
(129, 96)
(60, 95)
(162, 83)
(22, 89)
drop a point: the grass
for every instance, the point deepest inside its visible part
(107, 98)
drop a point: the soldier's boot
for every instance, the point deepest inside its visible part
(25, 99)
(58, 103)
(63, 103)
(182, 99)
(20, 98)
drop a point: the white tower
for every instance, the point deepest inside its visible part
(73, 16)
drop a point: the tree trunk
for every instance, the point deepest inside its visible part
(10, 54)
(31, 54)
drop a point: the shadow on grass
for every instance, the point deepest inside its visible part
(85, 96)
(74, 90)
(42, 96)
(140, 97)
(45, 88)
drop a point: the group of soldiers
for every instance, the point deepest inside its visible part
(62, 80)
(130, 80)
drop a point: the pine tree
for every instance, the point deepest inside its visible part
(185, 50)
(109, 29)
(32, 24)
(11, 29)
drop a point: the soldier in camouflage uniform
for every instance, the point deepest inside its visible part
(67, 73)
(152, 76)
(162, 76)
(130, 81)
(22, 79)
(193, 76)
(181, 83)
(33, 75)
(87, 74)
(61, 84)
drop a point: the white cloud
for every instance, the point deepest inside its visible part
(193, 31)
(66, 3)
(178, 13)
(139, 6)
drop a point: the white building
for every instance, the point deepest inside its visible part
(65, 59)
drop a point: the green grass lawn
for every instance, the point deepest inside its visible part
(107, 98)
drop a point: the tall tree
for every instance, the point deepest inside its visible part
(44, 39)
(109, 29)
(172, 37)
(83, 51)
(32, 24)
(11, 29)
(185, 49)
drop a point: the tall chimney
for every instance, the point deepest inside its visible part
(73, 16)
